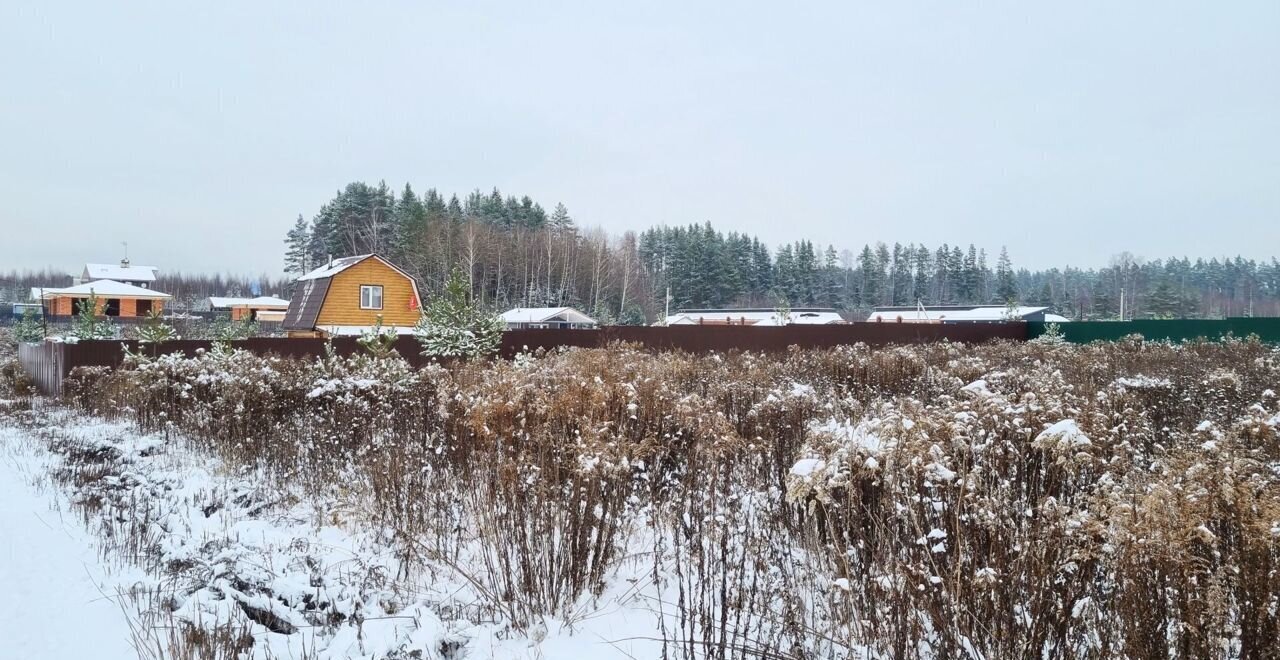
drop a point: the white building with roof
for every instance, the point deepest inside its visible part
(113, 299)
(261, 308)
(963, 314)
(139, 276)
(522, 318)
(755, 317)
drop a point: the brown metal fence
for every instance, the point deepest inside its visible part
(50, 363)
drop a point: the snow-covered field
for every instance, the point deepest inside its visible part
(227, 553)
(52, 604)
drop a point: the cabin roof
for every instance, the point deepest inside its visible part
(304, 308)
(334, 267)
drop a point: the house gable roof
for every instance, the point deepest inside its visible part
(545, 314)
(304, 307)
(120, 273)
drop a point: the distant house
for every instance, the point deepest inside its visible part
(522, 318)
(962, 314)
(346, 297)
(20, 309)
(115, 299)
(125, 273)
(756, 317)
(262, 308)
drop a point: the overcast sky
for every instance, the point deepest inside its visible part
(1068, 131)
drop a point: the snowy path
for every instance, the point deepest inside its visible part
(49, 606)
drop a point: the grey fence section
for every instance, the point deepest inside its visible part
(45, 364)
(54, 361)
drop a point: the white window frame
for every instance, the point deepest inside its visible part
(371, 289)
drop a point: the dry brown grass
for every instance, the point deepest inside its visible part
(967, 534)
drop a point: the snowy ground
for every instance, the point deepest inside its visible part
(225, 551)
(50, 576)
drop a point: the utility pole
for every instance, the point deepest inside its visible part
(1121, 303)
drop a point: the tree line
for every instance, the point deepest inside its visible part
(515, 253)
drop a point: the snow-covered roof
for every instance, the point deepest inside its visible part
(976, 313)
(754, 317)
(1056, 318)
(266, 302)
(120, 273)
(545, 314)
(334, 267)
(107, 289)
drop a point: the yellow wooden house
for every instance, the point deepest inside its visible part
(346, 296)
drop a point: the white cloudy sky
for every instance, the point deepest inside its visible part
(1068, 131)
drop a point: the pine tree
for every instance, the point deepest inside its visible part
(920, 281)
(1164, 302)
(869, 292)
(1006, 285)
(298, 248)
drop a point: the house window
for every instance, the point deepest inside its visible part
(370, 296)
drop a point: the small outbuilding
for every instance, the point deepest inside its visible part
(347, 296)
(262, 308)
(115, 299)
(566, 318)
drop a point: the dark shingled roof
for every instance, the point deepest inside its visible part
(304, 307)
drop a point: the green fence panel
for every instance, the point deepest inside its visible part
(1083, 332)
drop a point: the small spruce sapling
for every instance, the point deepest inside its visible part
(783, 312)
(28, 329)
(154, 330)
(452, 326)
(378, 341)
(1052, 335)
(87, 325)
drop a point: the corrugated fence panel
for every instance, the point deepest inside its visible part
(50, 363)
(1083, 332)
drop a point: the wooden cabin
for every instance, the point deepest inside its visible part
(262, 308)
(346, 297)
(115, 299)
